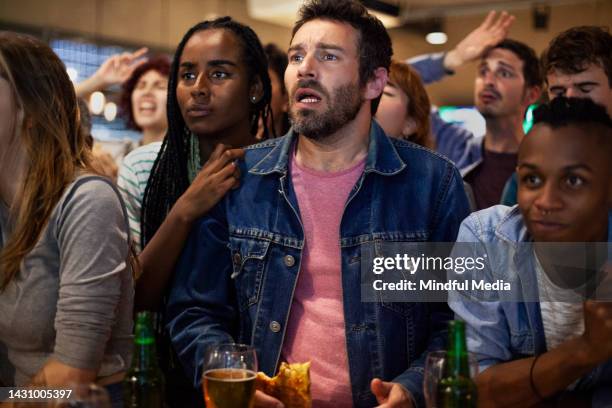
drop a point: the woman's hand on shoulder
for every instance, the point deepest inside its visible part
(218, 175)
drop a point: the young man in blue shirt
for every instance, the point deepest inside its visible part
(530, 342)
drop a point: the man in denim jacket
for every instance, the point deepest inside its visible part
(277, 263)
(532, 344)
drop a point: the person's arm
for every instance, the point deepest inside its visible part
(488, 336)
(486, 325)
(554, 370)
(55, 373)
(433, 67)
(451, 139)
(158, 258)
(131, 181)
(452, 209)
(202, 308)
(92, 237)
(115, 70)
(489, 33)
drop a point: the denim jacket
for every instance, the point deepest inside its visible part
(501, 330)
(237, 274)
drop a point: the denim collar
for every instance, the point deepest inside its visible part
(511, 229)
(382, 158)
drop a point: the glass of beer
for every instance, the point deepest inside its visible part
(229, 374)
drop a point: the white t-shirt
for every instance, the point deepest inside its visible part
(561, 310)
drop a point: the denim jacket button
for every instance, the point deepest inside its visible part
(289, 260)
(237, 258)
(275, 326)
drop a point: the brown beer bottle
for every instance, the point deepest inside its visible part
(143, 386)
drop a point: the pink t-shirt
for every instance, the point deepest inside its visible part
(316, 331)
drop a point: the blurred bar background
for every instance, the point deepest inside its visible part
(86, 32)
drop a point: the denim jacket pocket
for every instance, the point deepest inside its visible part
(248, 262)
(404, 309)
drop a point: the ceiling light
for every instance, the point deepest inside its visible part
(436, 38)
(73, 74)
(110, 111)
(96, 102)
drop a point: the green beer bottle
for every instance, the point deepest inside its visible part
(143, 386)
(456, 389)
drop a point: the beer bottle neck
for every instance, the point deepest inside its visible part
(457, 363)
(145, 356)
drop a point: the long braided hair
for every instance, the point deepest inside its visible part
(169, 175)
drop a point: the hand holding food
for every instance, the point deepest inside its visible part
(291, 386)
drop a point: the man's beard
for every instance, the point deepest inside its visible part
(342, 108)
(487, 112)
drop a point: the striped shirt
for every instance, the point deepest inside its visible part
(133, 177)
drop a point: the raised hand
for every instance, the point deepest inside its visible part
(493, 29)
(598, 329)
(118, 68)
(115, 70)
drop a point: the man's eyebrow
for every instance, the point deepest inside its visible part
(506, 65)
(327, 46)
(587, 83)
(320, 45)
(527, 165)
(296, 47)
(579, 166)
(557, 87)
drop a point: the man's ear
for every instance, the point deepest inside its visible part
(256, 91)
(532, 94)
(375, 85)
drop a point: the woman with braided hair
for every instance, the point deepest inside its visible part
(218, 90)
